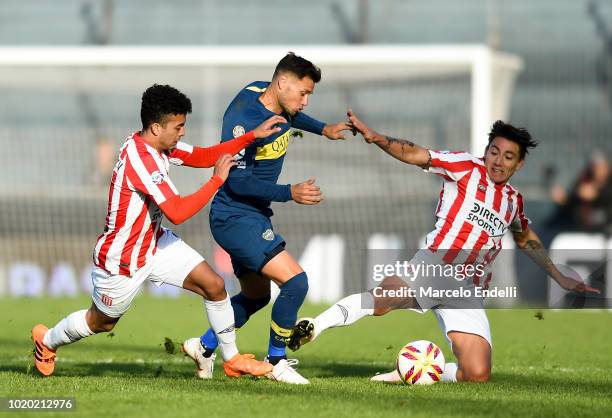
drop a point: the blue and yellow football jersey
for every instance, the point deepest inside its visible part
(251, 185)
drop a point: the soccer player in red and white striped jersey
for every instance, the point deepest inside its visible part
(477, 206)
(134, 246)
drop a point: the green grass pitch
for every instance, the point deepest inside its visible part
(555, 366)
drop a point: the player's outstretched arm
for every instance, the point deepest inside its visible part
(204, 157)
(402, 149)
(309, 124)
(178, 209)
(335, 130)
(529, 241)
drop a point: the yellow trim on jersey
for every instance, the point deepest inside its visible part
(256, 89)
(275, 149)
(280, 331)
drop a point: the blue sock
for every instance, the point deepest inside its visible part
(284, 313)
(243, 309)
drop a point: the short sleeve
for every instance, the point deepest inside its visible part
(520, 222)
(149, 177)
(451, 165)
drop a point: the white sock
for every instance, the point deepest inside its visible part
(69, 330)
(346, 311)
(221, 319)
(450, 373)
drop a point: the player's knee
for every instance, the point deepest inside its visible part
(477, 373)
(107, 326)
(302, 284)
(215, 290)
(99, 322)
(212, 289)
(296, 287)
(99, 326)
(382, 310)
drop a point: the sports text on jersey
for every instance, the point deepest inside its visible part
(275, 149)
(487, 220)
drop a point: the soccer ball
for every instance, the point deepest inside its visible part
(420, 363)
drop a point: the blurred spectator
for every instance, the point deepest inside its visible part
(105, 158)
(556, 192)
(588, 205)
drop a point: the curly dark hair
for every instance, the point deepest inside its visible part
(161, 101)
(518, 135)
(299, 66)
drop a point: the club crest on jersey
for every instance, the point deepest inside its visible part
(482, 187)
(157, 177)
(238, 131)
(268, 235)
(107, 300)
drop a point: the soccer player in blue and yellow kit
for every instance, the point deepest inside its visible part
(240, 213)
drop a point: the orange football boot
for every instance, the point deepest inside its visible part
(44, 357)
(242, 364)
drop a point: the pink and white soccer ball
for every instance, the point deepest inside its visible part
(420, 363)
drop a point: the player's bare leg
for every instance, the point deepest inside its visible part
(283, 270)
(351, 309)
(98, 321)
(473, 355)
(205, 282)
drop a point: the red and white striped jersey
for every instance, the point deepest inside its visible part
(139, 184)
(473, 212)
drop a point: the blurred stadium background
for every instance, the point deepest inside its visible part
(60, 126)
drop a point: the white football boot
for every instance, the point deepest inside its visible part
(204, 365)
(284, 372)
(304, 331)
(391, 377)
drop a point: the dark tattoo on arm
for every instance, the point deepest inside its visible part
(428, 163)
(403, 143)
(536, 251)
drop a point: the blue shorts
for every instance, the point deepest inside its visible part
(248, 238)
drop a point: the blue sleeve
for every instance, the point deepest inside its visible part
(242, 182)
(254, 187)
(304, 122)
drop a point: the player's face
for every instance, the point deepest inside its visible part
(502, 159)
(294, 92)
(171, 132)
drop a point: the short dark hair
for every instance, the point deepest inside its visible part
(518, 135)
(298, 66)
(161, 101)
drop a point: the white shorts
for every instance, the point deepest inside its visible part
(471, 321)
(461, 313)
(171, 264)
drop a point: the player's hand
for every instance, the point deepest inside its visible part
(573, 285)
(306, 193)
(223, 166)
(334, 131)
(269, 127)
(358, 126)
